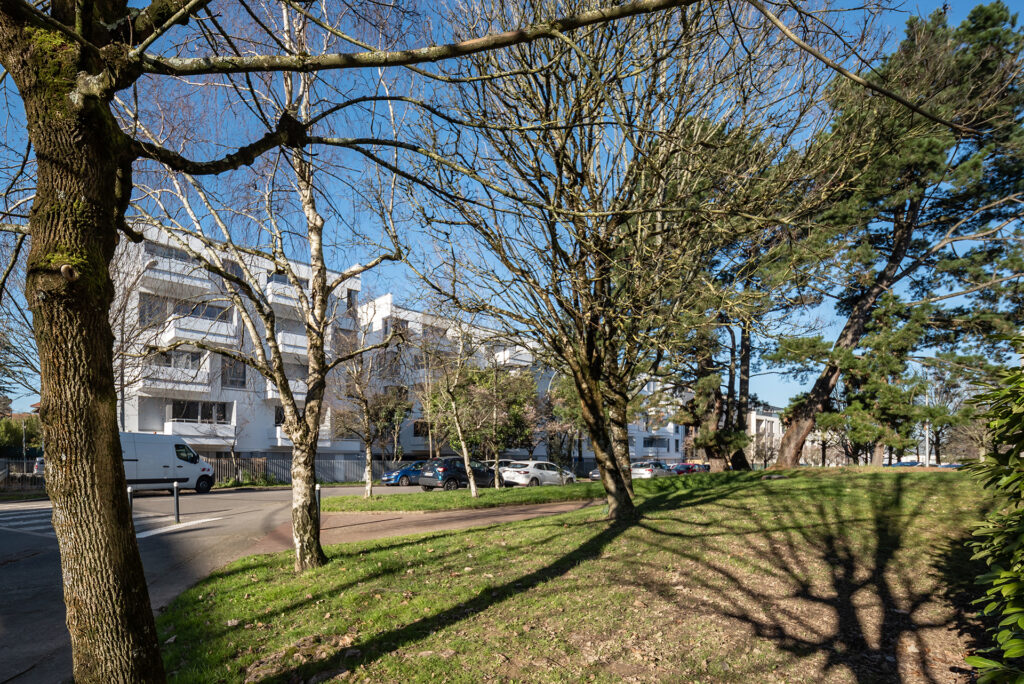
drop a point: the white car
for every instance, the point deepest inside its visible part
(533, 473)
(646, 470)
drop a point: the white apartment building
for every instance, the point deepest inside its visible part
(651, 438)
(218, 405)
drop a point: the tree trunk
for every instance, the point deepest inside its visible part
(83, 180)
(803, 415)
(462, 445)
(618, 425)
(739, 457)
(305, 513)
(620, 501)
(368, 472)
(878, 454)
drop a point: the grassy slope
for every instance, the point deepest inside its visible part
(439, 500)
(826, 576)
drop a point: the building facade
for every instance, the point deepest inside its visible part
(218, 405)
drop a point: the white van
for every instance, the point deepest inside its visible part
(158, 461)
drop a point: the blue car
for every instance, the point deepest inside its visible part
(404, 476)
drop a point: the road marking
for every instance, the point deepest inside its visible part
(48, 535)
(172, 528)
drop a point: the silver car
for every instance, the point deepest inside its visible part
(533, 473)
(647, 470)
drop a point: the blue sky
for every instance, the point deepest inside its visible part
(769, 386)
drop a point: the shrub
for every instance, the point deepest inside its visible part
(999, 539)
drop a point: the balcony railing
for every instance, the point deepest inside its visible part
(278, 436)
(197, 431)
(163, 274)
(195, 329)
(181, 380)
(293, 345)
(298, 390)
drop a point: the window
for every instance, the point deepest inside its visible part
(152, 310)
(211, 312)
(184, 453)
(234, 268)
(283, 279)
(420, 428)
(677, 445)
(351, 299)
(232, 373)
(216, 412)
(178, 358)
(656, 442)
(278, 416)
(167, 252)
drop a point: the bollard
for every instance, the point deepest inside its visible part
(318, 508)
(177, 516)
(130, 502)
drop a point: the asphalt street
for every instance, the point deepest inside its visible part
(215, 529)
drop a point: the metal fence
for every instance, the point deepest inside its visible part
(16, 475)
(277, 468)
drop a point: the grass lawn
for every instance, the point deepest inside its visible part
(827, 576)
(440, 500)
(26, 495)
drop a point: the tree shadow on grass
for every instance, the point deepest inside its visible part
(664, 497)
(832, 579)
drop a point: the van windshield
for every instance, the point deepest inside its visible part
(185, 453)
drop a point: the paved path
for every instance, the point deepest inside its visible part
(338, 528)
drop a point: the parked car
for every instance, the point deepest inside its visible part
(450, 473)
(533, 473)
(404, 476)
(39, 467)
(687, 468)
(595, 474)
(906, 464)
(954, 466)
(646, 470)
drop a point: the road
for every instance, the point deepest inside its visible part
(215, 529)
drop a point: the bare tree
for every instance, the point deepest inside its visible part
(611, 170)
(369, 388)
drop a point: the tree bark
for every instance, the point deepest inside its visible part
(305, 513)
(739, 457)
(368, 472)
(620, 501)
(82, 188)
(878, 455)
(618, 424)
(462, 445)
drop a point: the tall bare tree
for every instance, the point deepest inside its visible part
(611, 170)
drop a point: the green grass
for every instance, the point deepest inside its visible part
(439, 500)
(827, 576)
(24, 495)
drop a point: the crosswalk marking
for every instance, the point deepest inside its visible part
(37, 521)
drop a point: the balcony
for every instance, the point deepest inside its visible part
(294, 346)
(284, 299)
(202, 434)
(173, 277)
(172, 382)
(278, 437)
(195, 329)
(298, 390)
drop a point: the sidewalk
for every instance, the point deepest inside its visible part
(338, 528)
